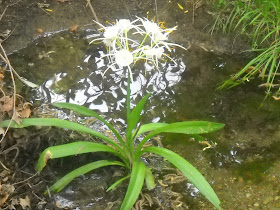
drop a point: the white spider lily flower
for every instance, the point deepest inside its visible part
(110, 35)
(159, 36)
(153, 52)
(124, 25)
(150, 27)
(123, 57)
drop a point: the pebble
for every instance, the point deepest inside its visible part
(248, 195)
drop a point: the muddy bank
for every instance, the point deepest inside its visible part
(25, 21)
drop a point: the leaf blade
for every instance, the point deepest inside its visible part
(61, 183)
(90, 113)
(70, 149)
(60, 124)
(189, 171)
(134, 119)
(135, 185)
(187, 127)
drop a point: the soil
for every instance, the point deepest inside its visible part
(26, 21)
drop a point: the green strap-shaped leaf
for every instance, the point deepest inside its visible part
(90, 113)
(189, 171)
(135, 185)
(113, 186)
(134, 119)
(187, 127)
(154, 126)
(61, 124)
(149, 127)
(149, 179)
(74, 148)
(61, 183)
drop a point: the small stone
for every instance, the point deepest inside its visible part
(248, 195)
(256, 204)
(267, 200)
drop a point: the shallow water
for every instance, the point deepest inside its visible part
(243, 167)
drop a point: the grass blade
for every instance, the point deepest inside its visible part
(70, 149)
(135, 185)
(60, 124)
(189, 171)
(61, 183)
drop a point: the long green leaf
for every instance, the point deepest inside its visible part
(61, 124)
(113, 186)
(188, 127)
(135, 185)
(134, 119)
(61, 183)
(149, 127)
(189, 171)
(90, 113)
(70, 149)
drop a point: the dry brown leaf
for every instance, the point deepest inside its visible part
(6, 190)
(26, 111)
(6, 104)
(276, 98)
(40, 31)
(3, 199)
(24, 202)
(2, 131)
(74, 28)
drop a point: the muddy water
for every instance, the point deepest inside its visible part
(243, 166)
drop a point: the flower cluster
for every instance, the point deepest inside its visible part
(129, 41)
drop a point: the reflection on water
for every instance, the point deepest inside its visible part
(103, 89)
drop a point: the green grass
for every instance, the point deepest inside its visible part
(260, 21)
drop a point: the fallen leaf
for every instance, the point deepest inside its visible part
(180, 6)
(3, 199)
(40, 31)
(26, 111)
(276, 98)
(2, 131)
(16, 117)
(24, 202)
(74, 28)
(6, 190)
(6, 104)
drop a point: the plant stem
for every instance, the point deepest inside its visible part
(128, 95)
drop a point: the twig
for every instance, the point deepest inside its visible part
(6, 60)
(3, 12)
(156, 10)
(93, 12)
(4, 166)
(20, 182)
